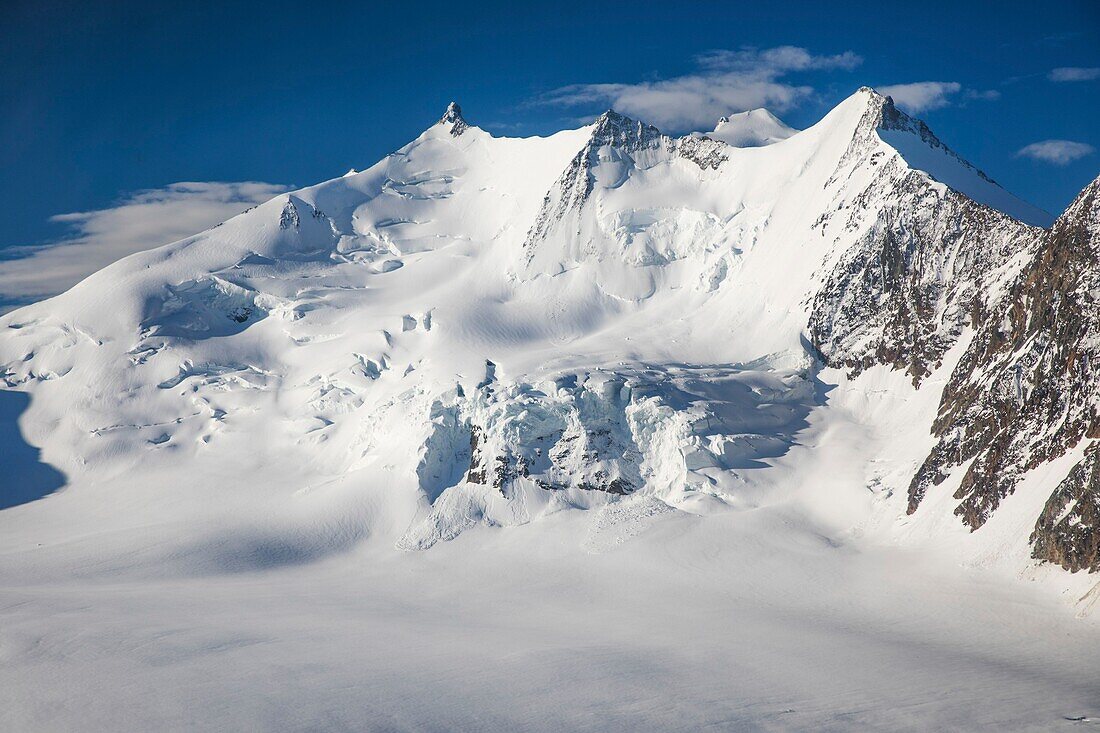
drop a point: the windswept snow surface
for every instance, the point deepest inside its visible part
(508, 434)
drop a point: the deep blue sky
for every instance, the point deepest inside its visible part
(100, 99)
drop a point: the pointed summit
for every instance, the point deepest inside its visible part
(883, 115)
(615, 129)
(453, 117)
(1086, 206)
(872, 119)
(453, 113)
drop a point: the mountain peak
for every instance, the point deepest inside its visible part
(875, 119)
(1088, 200)
(882, 114)
(611, 118)
(752, 128)
(871, 94)
(1083, 214)
(453, 117)
(613, 128)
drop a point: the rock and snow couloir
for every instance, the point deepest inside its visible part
(494, 330)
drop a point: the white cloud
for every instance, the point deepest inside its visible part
(1074, 73)
(780, 59)
(142, 221)
(1058, 152)
(983, 95)
(726, 81)
(921, 96)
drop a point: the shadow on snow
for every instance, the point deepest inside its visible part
(23, 477)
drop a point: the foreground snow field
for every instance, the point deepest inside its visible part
(602, 431)
(742, 622)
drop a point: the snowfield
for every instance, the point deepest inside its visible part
(746, 621)
(530, 434)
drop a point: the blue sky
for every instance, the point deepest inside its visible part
(101, 100)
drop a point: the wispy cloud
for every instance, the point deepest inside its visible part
(983, 95)
(725, 81)
(1057, 152)
(1057, 39)
(1074, 73)
(142, 221)
(922, 96)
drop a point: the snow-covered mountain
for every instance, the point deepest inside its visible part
(493, 331)
(753, 128)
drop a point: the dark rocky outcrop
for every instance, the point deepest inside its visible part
(1068, 530)
(1027, 390)
(453, 117)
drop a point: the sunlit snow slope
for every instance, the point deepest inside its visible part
(482, 330)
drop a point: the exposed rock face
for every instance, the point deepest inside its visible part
(289, 219)
(934, 264)
(1068, 530)
(1027, 390)
(453, 117)
(700, 150)
(890, 118)
(902, 294)
(612, 131)
(615, 139)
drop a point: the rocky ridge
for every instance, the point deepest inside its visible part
(1027, 391)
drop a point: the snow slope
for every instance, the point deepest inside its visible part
(672, 383)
